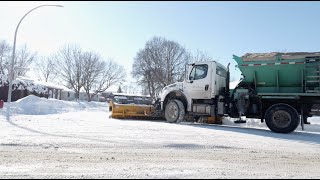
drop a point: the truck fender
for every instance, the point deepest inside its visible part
(176, 94)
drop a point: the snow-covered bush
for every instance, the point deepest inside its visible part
(21, 88)
(3, 80)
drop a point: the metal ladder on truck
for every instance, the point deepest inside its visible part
(311, 79)
(312, 75)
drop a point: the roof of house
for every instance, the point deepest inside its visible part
(46, 84)
(49, 84)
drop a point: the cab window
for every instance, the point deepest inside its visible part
(220, 71)
(199, 72)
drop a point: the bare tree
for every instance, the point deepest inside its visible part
(5, 51)
(99, 75)
(24, 58)
(45, 69)
(80, 69)
(70, 67)
(160, 63)
(107, 74)
(130, 88)
(200, 56)
(142, 72)
(92, 68)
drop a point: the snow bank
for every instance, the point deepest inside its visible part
(34, 105)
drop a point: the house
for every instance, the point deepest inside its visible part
(83, 96)
(53, 90)
(68, 95)
(106, 96)
(56, 91)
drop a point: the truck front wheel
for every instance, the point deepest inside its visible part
(174, 111)
(282, 118)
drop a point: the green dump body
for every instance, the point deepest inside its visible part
(296, 72)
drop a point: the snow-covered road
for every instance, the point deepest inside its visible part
(86, 143)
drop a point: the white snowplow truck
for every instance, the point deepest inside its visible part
(279, 88)
(198, 95)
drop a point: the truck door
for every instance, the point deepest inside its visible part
(198, 83)
(220, 79)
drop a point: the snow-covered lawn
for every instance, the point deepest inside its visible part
(48, 138)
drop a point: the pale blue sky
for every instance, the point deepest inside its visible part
(119, 29)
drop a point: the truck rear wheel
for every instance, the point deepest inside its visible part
(282, 118)
(174, 111)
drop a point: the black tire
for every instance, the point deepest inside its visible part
(182, 111)
(174, 111)
(282, 118)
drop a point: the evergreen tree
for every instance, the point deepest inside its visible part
(119, 90)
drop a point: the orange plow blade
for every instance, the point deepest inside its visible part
(131, 110)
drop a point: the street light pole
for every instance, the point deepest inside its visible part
(13, 56)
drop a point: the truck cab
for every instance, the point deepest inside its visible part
(205, 80)
(198, 94)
